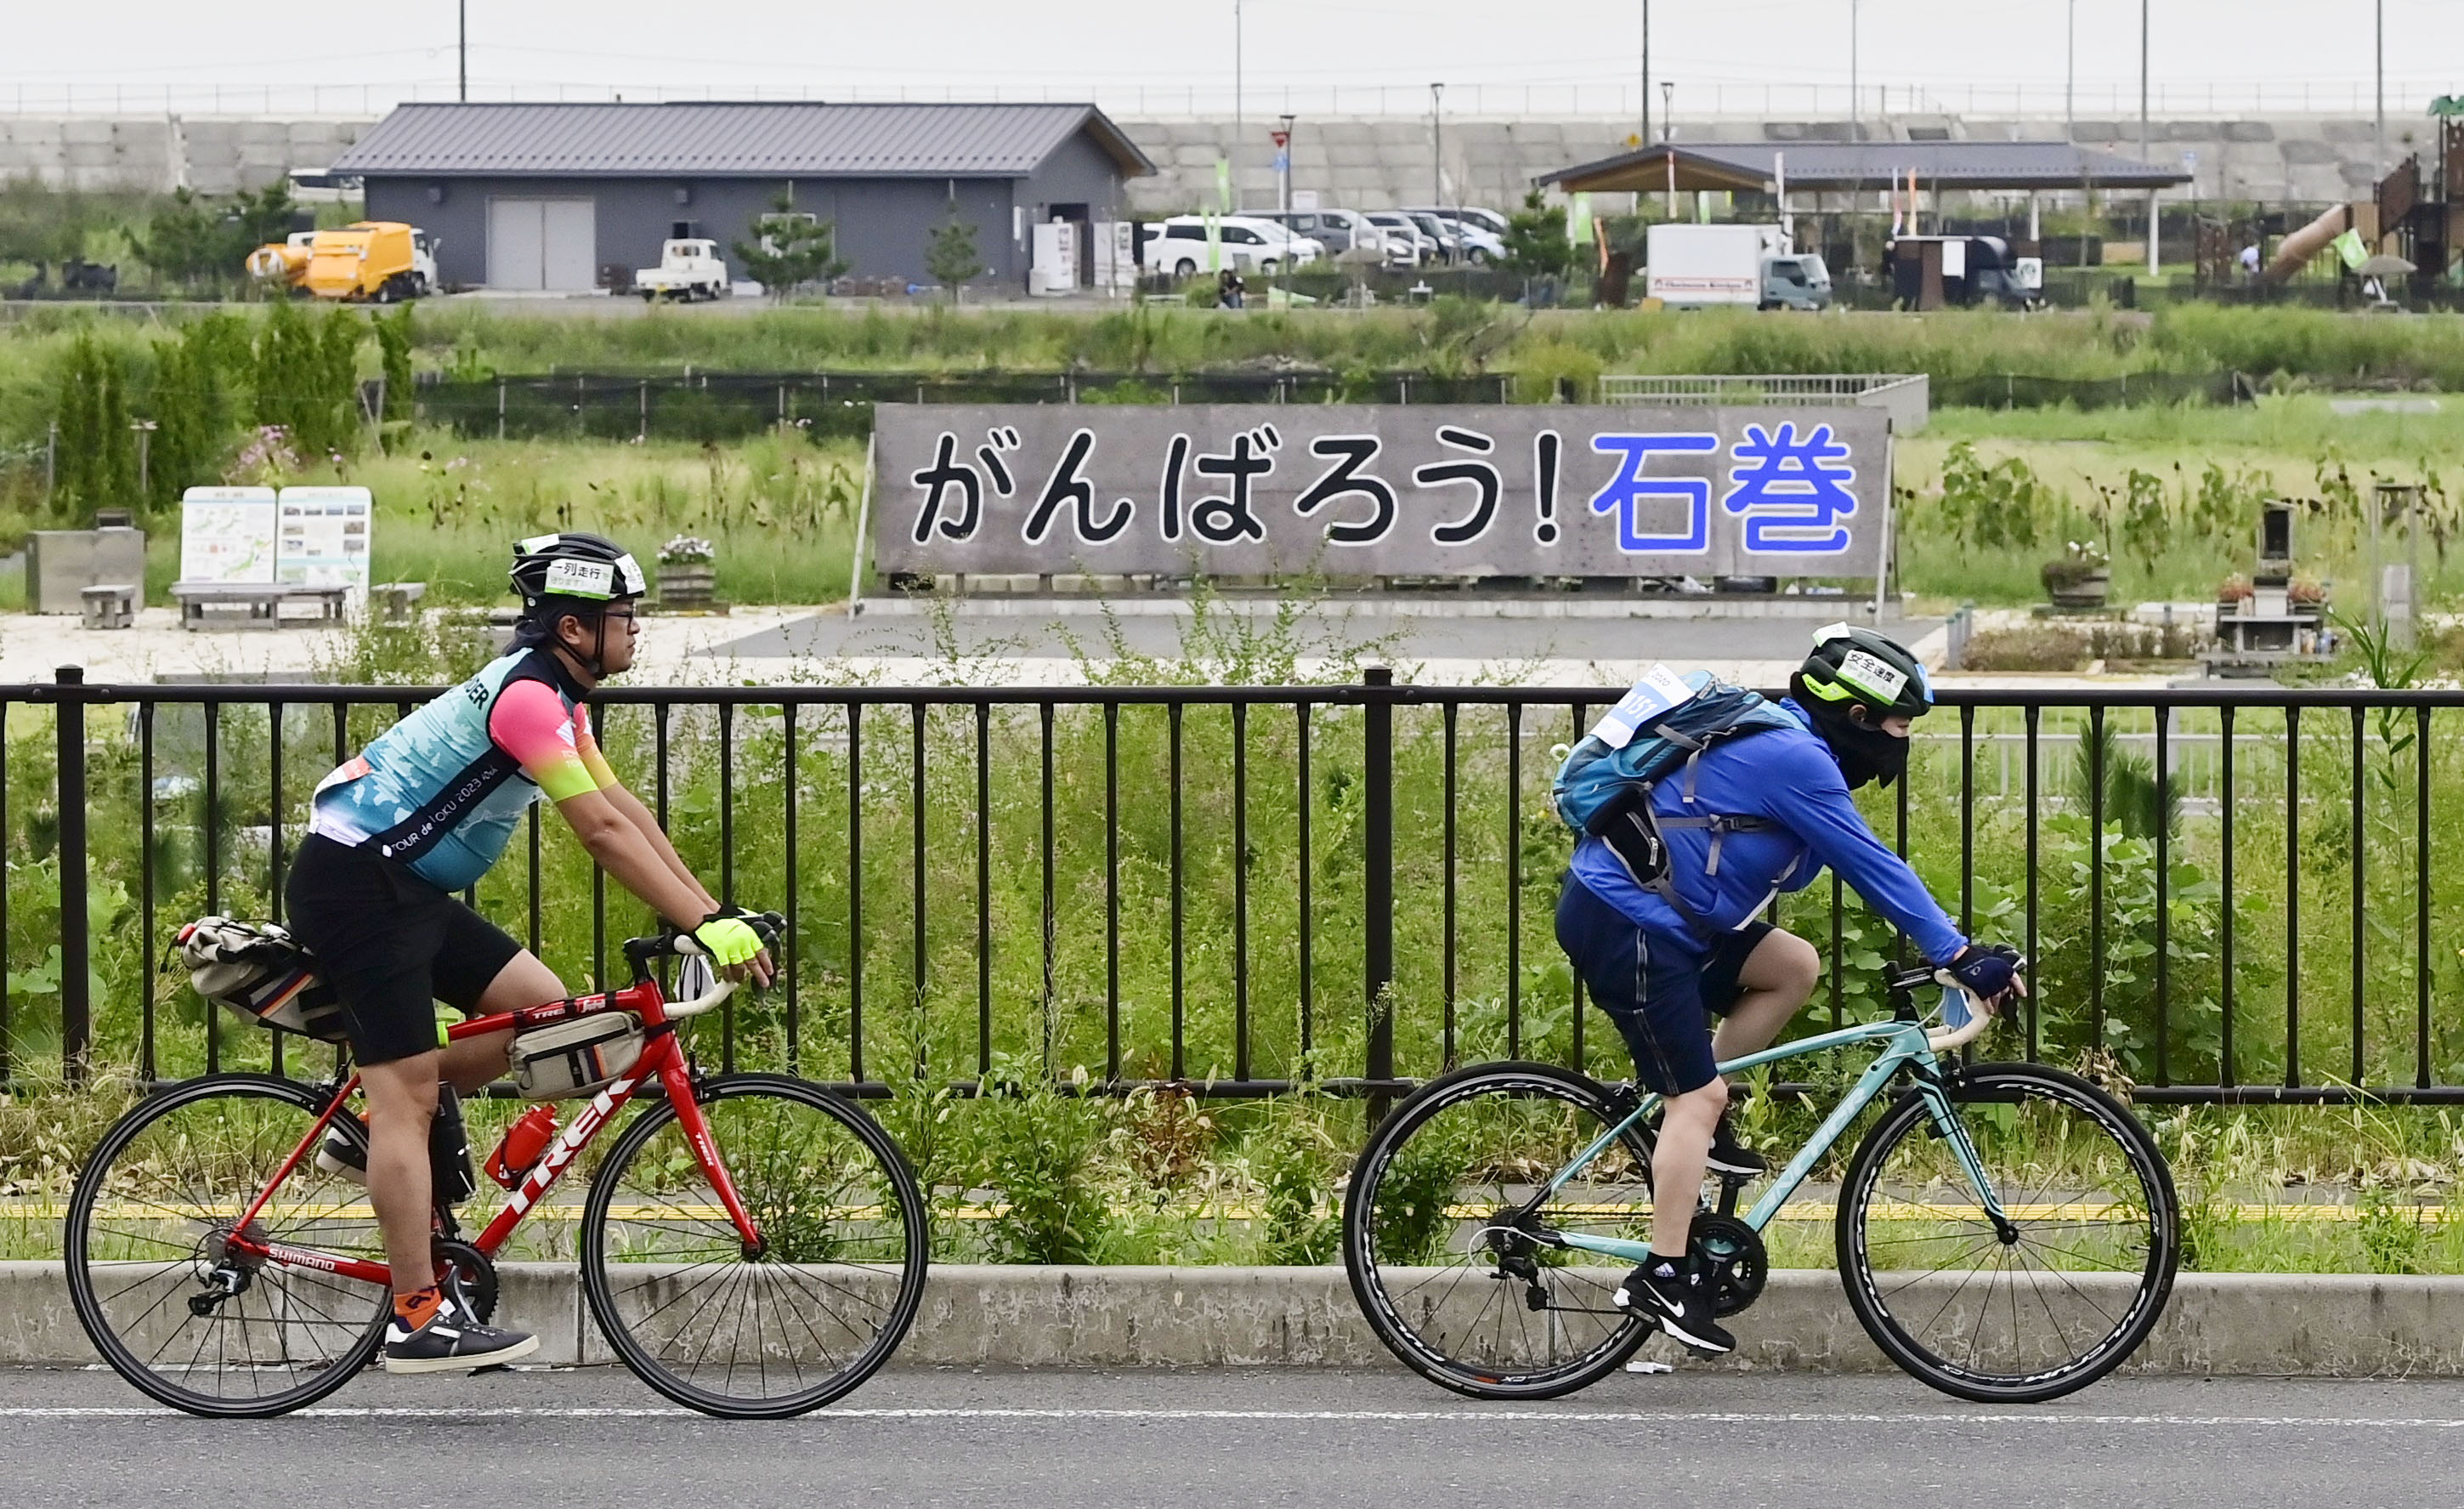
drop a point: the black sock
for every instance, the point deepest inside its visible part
(1660, 1267)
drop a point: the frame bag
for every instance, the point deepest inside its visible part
(258, 972)
(579, 1058)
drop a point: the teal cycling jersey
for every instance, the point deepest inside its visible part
(441, 791)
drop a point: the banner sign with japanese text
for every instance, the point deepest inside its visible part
(1341, 490)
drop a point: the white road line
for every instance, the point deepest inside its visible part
(1364, 1416)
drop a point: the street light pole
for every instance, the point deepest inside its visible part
(1668, 133)
(1283, 157)
(1237, 126)
(462, 50)
(1437, 148)
(2143, 135)
(1855, 106)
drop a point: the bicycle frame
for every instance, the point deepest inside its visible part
(1906, 1047)
(663, 1061)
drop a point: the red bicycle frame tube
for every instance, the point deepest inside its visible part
(662, 1060)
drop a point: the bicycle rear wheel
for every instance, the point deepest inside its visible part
(2050, 1302)
(157, 1290)
(774, 1331)
(1456, 1277)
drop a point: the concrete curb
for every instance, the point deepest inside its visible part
(2217, 1325)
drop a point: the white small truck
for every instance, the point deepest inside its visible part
(688, 269)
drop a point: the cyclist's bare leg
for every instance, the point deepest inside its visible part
(1778, 980)
(471, 1062)
(401, 1102)
(1679, 1161)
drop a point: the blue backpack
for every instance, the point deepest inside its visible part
(1604, 789)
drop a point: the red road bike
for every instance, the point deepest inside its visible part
(750, 1245)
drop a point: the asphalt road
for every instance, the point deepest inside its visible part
(1225, 1437)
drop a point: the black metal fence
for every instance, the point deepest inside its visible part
(723, 405)
(2234, 895)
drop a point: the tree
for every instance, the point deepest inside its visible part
(97, 452)
(394, 341)
(950, 253)
(306, 377)
(789, 249)
(1536, 244)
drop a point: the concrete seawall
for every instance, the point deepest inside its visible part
(2217, 1325)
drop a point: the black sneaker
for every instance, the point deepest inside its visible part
(1671, 1297)
(1728, 1156)
(339, 1155)
(451, 1343)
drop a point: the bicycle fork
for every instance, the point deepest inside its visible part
(1948, 1127)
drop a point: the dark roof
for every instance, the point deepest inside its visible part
(700, 139)
(1835, 166)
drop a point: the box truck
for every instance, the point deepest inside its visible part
(1733, 264)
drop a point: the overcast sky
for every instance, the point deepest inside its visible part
(1116, 47)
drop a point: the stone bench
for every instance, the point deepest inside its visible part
(251, 605)
(396, 602)
(110, 605)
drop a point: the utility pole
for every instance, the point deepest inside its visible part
(2143, 133)
(1645, 139)
(462, 50)
(1856, 105)
(1437, 148)
(2070, 74)
(1237, 127)
(2380, 161)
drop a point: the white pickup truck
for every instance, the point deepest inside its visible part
(690, 269)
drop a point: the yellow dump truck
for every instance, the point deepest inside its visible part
(370, 261)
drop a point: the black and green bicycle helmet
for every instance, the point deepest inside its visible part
(1853, 668)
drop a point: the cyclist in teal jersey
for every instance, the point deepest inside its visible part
(424, 810)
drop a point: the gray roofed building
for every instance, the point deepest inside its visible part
(751, 139)
(1838, 166)
(565, 196)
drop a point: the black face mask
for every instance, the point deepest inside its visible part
(1866, 753)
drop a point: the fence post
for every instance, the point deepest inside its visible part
(1377, 882)
(77, 1003)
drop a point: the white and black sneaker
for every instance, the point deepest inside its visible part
(339, 1155)
(1729, 1155)
(1668, 1293)
(450, 1341)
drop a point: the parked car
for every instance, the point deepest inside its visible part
(687, 270)
(1489, 220)
(1250, 244)
(1402, 229)
(1339, 231)
(1459, 242)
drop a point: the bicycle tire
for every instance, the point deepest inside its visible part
(299, 1329)
(781, 1197)
(1430, 1331)
(2120, 1270)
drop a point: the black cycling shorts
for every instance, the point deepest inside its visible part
(1656, 989)
(391, 944)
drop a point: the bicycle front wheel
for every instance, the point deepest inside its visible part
(153, 1278)
(1452, 1248)
(2049, 1301)
(756, 1331)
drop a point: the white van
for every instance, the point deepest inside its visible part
(1177, 246)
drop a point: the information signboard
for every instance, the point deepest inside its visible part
(1351, 491)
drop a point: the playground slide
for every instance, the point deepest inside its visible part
(2309, 241)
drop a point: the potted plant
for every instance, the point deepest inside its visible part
(2307, 597)
(687, 574)
(2235, 594)
(2081, 578)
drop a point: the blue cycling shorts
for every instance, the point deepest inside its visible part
(1660, 991)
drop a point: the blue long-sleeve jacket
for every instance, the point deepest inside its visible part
(1789, 776)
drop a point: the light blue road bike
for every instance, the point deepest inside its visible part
(2006, 1232)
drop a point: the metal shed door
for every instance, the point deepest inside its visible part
(542, 243)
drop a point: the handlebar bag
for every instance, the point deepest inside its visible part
(579, 1057)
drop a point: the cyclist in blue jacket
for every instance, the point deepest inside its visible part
(1657, 959)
